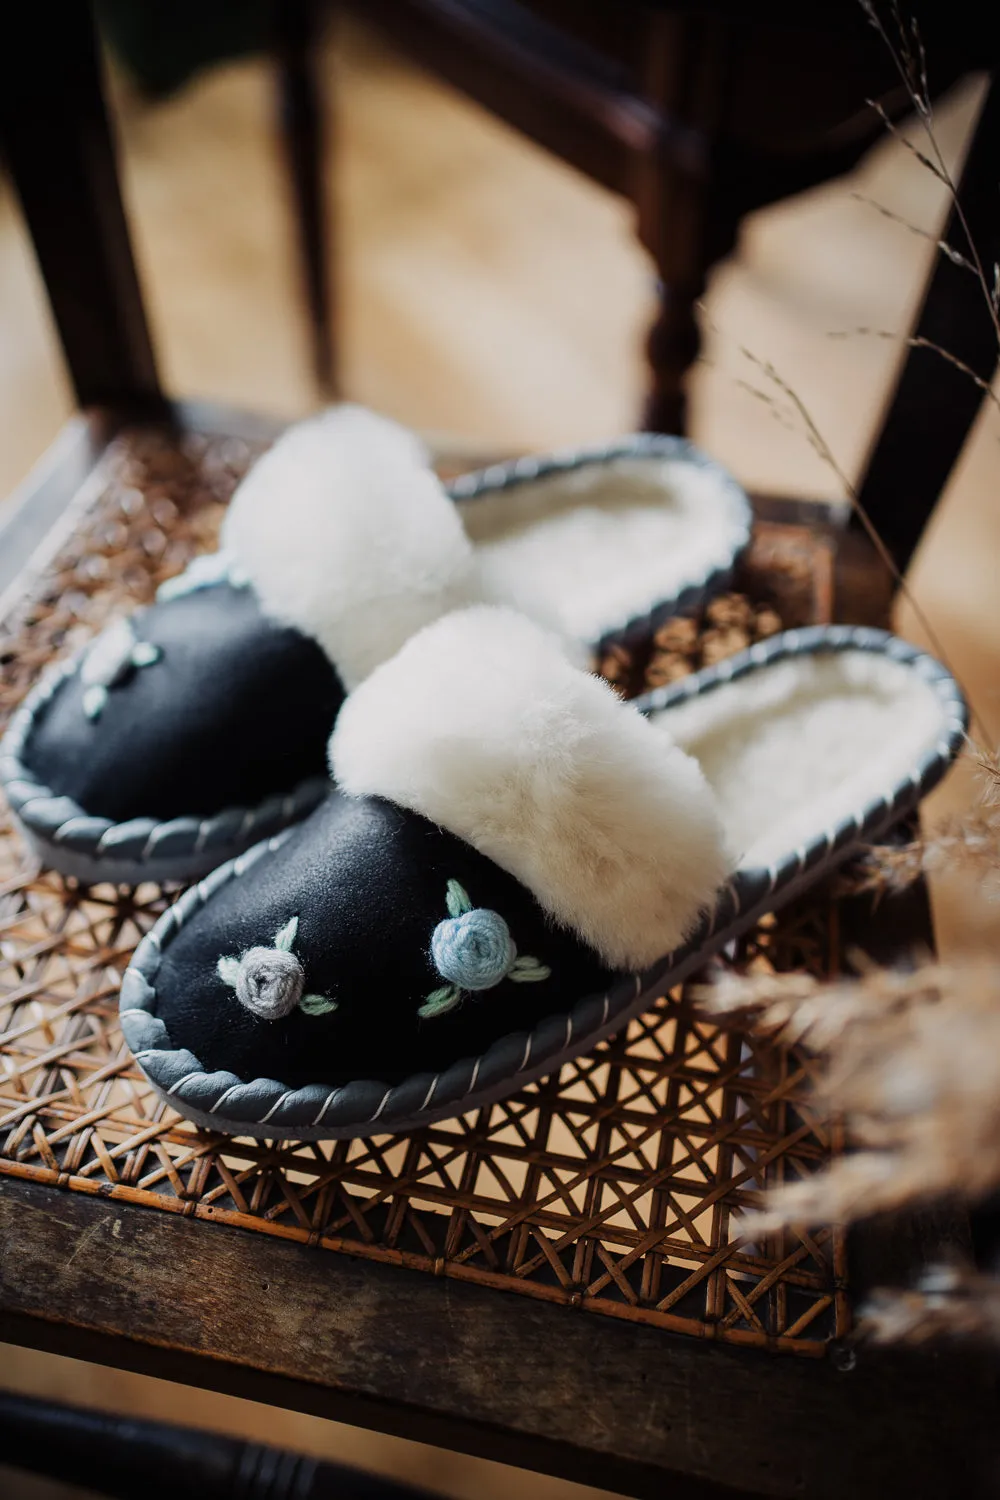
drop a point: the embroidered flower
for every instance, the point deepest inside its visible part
(473, 950)
(115, 654)
(270, 981)
(204, 572)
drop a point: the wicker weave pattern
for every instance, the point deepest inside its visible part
(612, 1186)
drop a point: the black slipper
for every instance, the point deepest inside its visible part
(517, 862)
(188, 732)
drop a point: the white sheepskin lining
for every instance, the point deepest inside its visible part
(482, 725)
(346, 532)
(799, 745)
(590, 549)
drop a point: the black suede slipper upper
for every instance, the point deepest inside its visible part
(366, 884)
(269, 693)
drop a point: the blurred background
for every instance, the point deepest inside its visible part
(492, 296)
(484, 289)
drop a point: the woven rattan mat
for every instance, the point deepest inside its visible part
(612, 1186)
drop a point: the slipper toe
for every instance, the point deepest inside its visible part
(370, 947)
(138, 732)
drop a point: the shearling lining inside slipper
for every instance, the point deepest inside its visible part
(798, 746)
(604, 539)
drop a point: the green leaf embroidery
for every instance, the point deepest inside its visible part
(286, 937)
(439, 1002)
(94, 701)
(529, 971)
(228, 970)
(317, 1005)
(457, 900)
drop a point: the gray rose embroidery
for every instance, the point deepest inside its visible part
(270, 981)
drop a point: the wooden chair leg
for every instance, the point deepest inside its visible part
(679, 224)
(672, 346)
(297, 26)
(56, 140)
(936, 403)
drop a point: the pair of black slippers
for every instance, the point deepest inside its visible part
(509, 861)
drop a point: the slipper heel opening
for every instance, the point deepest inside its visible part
(817, 746)
(601, 541)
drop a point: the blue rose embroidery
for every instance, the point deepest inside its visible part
(473, 950)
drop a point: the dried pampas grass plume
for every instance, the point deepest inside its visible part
(947, 1302)
(913, 1069)
(968, 846)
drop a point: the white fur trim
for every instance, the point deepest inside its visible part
(346, 533)
(482, 725)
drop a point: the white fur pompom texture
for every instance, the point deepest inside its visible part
(346, 533)
(482, 725)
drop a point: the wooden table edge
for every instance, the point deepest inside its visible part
(500, 1376)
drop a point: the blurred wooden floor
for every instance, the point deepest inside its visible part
(493, 295)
